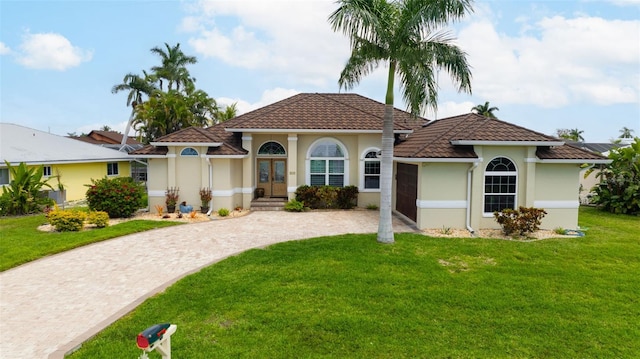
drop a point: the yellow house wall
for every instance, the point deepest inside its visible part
(157, 182)
(74, 176)
(442, 191)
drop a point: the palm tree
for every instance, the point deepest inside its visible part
(485, 110)
(626, 132)
(137, 86)
(173, 67)
(228, 113)
(576, 135)
(406, 36)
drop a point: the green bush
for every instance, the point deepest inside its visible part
(521, 221)
(99, 218)
(120, 197)
(327, 196)
(294, 206)
(24, 193)
(619, 187)
(67, 220)
(223, 212)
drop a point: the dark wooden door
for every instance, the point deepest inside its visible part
(407, 190)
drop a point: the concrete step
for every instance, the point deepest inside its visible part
(268, 204)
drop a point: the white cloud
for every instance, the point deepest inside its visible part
(291, 39)
(450, 108)
(4, 49)
(50, 51)
(556, 61)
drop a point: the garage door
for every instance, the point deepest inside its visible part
(407, 190)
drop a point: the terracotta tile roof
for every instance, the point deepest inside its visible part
(435, 139)
(567, 152)
(231, 145)
(105, 137)
(150, 150)
(189, 134)
(323, 111)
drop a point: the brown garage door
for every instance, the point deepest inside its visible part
(407, 190)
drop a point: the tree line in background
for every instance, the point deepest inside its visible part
(165, 99)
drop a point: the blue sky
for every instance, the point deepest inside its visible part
(545, 64)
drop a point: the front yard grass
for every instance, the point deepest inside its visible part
(21, 241)
(422, 297)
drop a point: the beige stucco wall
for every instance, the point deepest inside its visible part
(442, 191)
(557, 193)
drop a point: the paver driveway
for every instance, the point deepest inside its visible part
(49, 306)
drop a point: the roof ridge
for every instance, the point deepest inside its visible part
(444, 133)
(270, 107)
(363, 111)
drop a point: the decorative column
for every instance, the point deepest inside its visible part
(292, 165)
(248, 172)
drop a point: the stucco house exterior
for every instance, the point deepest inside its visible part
(453, 172)
(74, 161)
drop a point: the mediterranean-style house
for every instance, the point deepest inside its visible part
(65, 161)
(454, 172)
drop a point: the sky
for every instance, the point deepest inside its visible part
(545, 65)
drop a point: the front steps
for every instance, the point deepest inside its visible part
(268, 204)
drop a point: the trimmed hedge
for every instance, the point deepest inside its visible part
(320, 197)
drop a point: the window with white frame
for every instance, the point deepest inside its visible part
(46, 171)
(326, 164)
(271, 148)
(189, 151)
(112, 169)
(371, 170)
(500, 185)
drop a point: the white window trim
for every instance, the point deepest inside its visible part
(307, 161)
(44, 172)
(499, 173)
(361, 173)
(268, 155)
(113, 174)
(186, 148)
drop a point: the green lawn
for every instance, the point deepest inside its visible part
(21, 241)
(422, 297)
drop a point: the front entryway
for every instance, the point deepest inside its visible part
(272, 177)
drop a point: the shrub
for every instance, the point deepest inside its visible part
(120, 197)
(347, 197)
(66, 220)
(619, 187)
(372, 206)
(99, 218)
(294, 206)
(327, 196)
(23, 195)
(521, 221)
(223, 212)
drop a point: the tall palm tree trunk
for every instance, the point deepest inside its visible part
(385, 224)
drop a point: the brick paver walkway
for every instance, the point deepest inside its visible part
(50, 306)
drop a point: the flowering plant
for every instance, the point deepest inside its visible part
(172, 196)
(205, 196)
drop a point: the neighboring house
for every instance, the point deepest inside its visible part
(109, 139)
(452, 172)
(113, 140)
(74, 161)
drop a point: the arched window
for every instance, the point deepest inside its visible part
(371, 170)
(272, 148)
(189, 151)
(500, 185)
(326, 163)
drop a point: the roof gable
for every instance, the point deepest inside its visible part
(454, 137)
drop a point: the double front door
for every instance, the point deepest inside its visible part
(272, 177)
